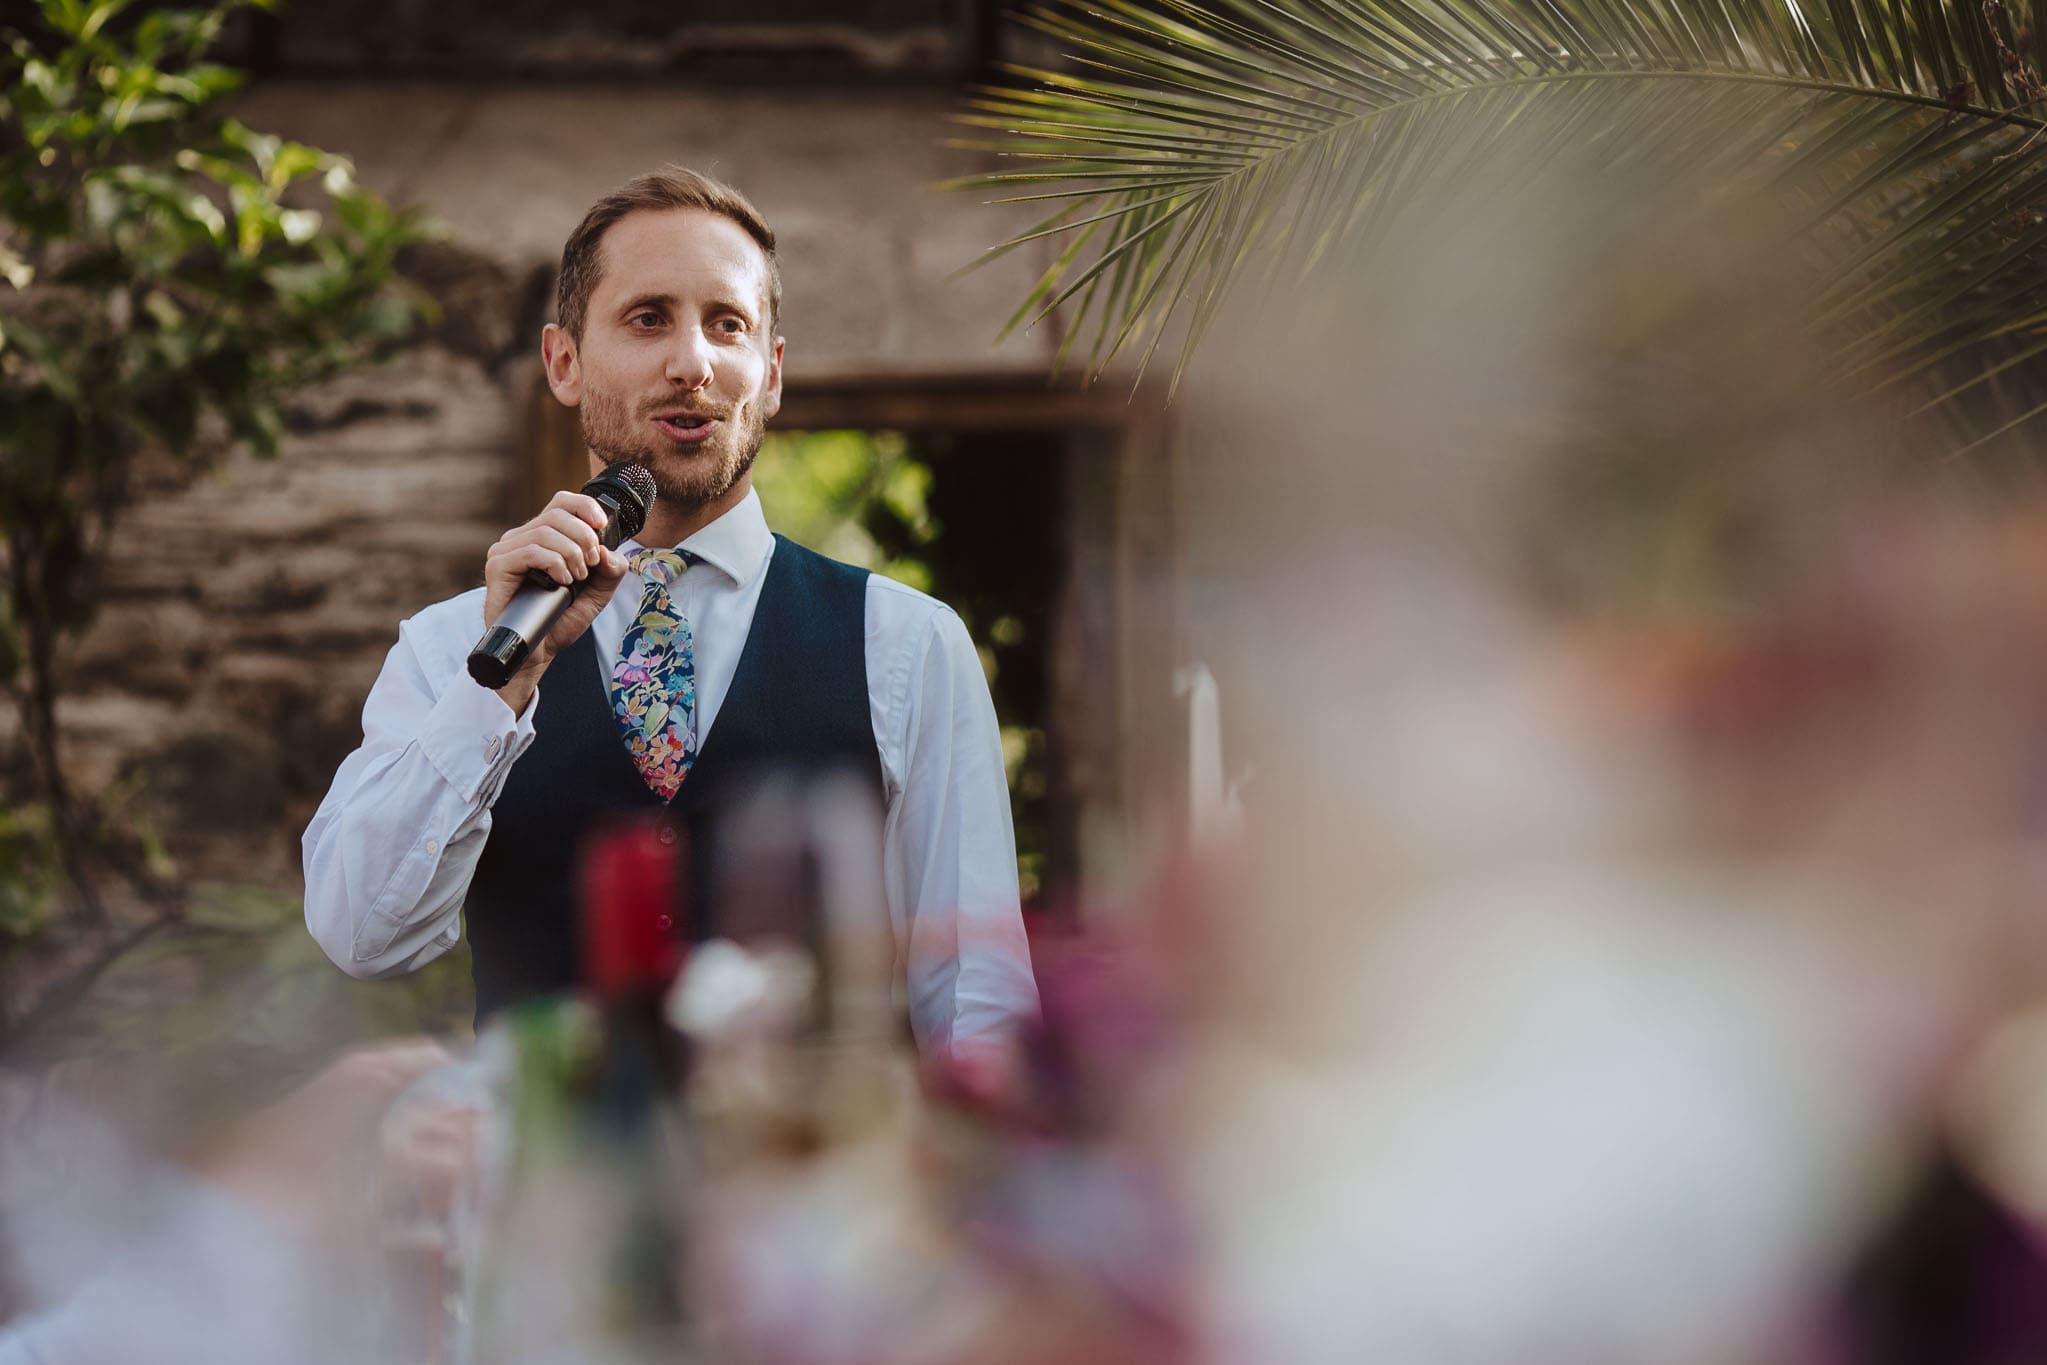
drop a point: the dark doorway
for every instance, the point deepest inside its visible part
(978, 520)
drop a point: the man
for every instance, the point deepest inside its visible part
(672, 677)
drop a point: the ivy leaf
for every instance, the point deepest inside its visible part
(14, 269)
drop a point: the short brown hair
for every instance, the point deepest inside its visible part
(672, 187)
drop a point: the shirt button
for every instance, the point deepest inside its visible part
(491, 747)
(433, 845)
(666, 921)
(667, 834)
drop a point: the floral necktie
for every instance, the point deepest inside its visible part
(654, 680)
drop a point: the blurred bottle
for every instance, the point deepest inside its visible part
(584, 1262)
(438, 1162)
(632, 902)
(800, 1034)
(815, 1239)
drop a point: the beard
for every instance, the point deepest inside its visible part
(682, 478)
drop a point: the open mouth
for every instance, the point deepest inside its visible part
(684, 426)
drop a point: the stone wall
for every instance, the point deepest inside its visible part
(849, 178)
(500, 39)
(247, 614)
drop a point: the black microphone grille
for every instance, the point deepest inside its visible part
(632, 487)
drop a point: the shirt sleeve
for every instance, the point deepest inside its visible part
(389, 854)
(948, 849)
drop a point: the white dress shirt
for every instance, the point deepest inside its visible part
(389, 854)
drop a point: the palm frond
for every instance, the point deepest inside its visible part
(1202, 144)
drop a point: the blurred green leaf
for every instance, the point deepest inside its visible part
(261, 148)
(1201, 147)
(28, 860)
(140, 109)
(203, 83)
(14, 269)
(824, 489)
(240, 909)
(291, 161)
(51, 372)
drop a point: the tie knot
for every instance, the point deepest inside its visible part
(660, 566)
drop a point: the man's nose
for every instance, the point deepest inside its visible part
(689, 362)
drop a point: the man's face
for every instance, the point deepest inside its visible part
(676, 368)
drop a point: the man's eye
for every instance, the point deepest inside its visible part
(733, 325)
(650, 318)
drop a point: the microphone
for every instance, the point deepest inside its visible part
(626, 492)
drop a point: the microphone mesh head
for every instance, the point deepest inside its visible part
(633, 489)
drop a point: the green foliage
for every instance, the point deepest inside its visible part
(31, 863)
(167, 275)
(28, 872)
(858, 496)
(165, 267)
(1193, 146)
(124, 827)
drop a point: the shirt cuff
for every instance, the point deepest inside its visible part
(472, 739)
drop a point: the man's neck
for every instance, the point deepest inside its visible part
(670, 523)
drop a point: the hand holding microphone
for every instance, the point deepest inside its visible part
(547, 580)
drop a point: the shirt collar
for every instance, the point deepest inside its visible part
(736, 544)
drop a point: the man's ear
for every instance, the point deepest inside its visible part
(771, 396)
(564, 370)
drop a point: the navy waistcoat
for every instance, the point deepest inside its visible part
(798, 702)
